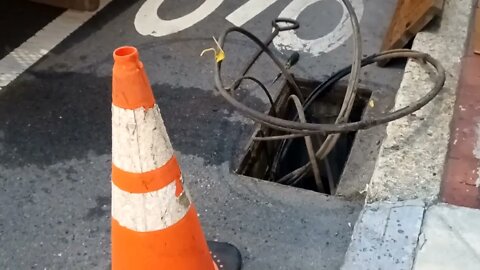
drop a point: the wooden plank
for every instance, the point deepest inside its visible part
(410, 17)
(476, 33)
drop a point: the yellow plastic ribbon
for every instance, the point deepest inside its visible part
(219, 53)
(371, 103)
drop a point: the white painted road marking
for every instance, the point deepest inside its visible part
(247, 11)
(147, 21)
(27, 54)
(327, 43)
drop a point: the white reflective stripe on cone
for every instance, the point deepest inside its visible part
(140, 142)
(152, 211)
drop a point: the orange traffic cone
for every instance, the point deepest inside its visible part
(154, 224)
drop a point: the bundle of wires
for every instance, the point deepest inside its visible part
(299, 127)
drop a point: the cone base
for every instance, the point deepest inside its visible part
(182, 246)
(225, 255)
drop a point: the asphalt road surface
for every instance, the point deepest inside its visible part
(55, 137)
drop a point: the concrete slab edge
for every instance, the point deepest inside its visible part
(412, 155)
(386, 236)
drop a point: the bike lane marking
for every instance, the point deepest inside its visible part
(37, 46)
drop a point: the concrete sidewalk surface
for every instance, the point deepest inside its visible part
(450, 239)
(408, 235)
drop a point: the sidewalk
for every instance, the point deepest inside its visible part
(427, 215)
(450, 239)
(408, 235)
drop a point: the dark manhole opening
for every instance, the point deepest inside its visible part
(262, 156)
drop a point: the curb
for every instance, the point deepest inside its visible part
(407, 167)
(410, 165)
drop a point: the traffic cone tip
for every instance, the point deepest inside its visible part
(126, 54)
(130, 86)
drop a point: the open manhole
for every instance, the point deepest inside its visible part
(272, 160)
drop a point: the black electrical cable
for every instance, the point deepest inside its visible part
(351, 91)
(302, 171)
(311, 128)
(221, 42)
(319, 91)
(286, 125)
(308, 145)
(323, 87)
(259, 83)
(347, 127)
(341, 125)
